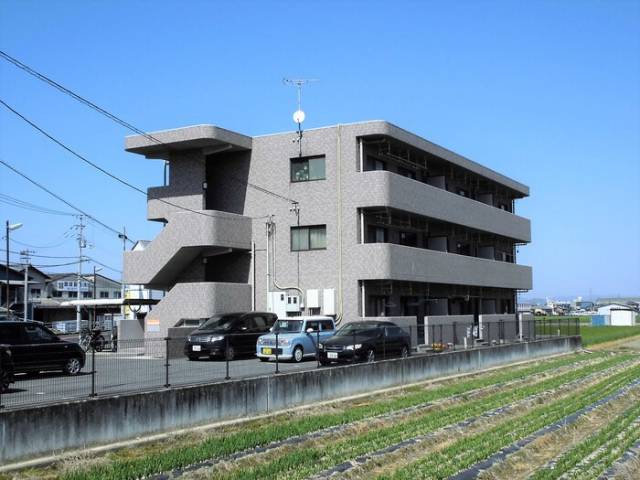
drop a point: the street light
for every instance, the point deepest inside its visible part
(10, 228)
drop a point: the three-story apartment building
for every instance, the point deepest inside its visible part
(364, 220)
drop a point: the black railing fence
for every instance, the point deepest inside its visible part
(157, 363)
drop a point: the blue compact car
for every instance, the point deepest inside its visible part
(297, 338)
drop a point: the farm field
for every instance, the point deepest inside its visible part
(595, 335)
(576, 415)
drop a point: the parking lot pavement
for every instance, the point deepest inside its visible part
(128, 373)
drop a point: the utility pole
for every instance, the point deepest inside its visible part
(9, 228)
(25, 256)
(81, 245)
(124, 238)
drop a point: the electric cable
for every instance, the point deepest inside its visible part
(117, 119)
(58, 197)
(106, 172)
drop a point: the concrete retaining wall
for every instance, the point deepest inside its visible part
(43, 430)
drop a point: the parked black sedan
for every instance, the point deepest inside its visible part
(6, 367)
(229, 335)
(35, 348)
(365, 342)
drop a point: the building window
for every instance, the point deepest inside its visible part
(72, 294)
(409, 239)
(86, 294)
(116, 294)
(405, 172)
(377, 234)
(306, 169)
(308, 238)
(56, 294)
(104, 294)
(35, 292)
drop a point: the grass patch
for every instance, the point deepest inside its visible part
(471, 450)
(259, 435)
(302, 463)
(596, 335)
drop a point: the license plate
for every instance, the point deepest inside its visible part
(266, 351)
(196, 348)
(332, 355)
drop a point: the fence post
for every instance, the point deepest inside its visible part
(353, 357)
(318, 347)
(489, 333)
(166, 362)
(277, 361)
(93, 370)
(441, 342)
(577, 331)
(226, 356)
(455, 335)
(384, 342)
(1, 406)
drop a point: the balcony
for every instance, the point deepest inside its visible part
(186, 236)
(382, 261)
(387, 189)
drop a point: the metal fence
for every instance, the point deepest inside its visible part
(152, 364)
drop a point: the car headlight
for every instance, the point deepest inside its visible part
(8, 352)
(357, 346)
(260, 341)
(321, 346)
(283, 341)
(215, 338)
(189, 338)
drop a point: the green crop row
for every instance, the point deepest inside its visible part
(305, 462)
(609, 439)
(220, 446)
(468, 451)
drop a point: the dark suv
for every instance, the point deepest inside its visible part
(35, 348)
(6, 367)
(364, 342)
(228, 335)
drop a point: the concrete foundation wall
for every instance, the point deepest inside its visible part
(107, 419)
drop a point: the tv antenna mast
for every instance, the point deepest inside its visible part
(298, 115)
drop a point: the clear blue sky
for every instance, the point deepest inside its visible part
(545, 92)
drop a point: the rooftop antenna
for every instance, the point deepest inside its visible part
(298, 115)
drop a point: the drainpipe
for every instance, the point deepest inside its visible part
(339, 160)
(253, 276)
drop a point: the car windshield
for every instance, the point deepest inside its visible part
(359, 328)
(288, 326)
(219, 322)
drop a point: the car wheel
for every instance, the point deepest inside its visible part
(72, 366)
(404, 353)
(324, 363)
(371, 356)
(192, 358)
(298, 354)
(230, 353)
(262, 359)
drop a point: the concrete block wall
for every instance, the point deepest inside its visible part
(84, 423)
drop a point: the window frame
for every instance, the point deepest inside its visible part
(298, 160)
(308, 228)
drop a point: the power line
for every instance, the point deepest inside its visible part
(74, 95)
(103, 265)
(58, 197)
(34, 255)
(117, 119)
(16, 202)
(106, 172)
